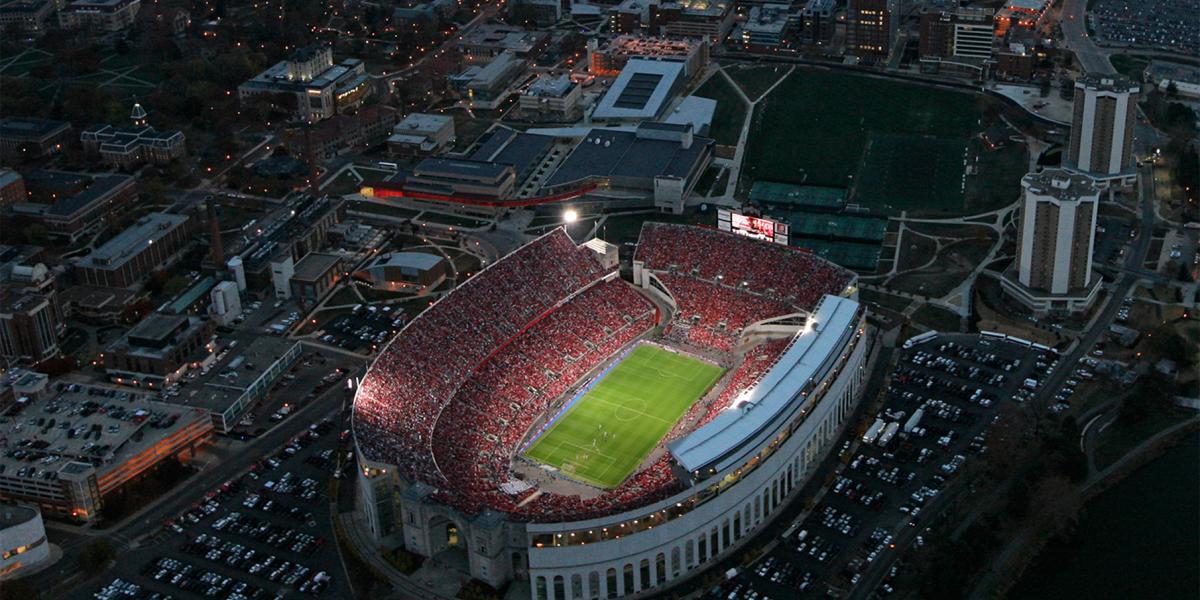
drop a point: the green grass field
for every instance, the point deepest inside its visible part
(730, 113)
(899, 172)
(636, 403)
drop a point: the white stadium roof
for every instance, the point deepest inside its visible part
(738, 431)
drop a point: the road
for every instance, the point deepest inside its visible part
(1076, 38)
(235, 457)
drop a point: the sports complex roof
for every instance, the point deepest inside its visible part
(641, 91)
(800, 196)
(625, 154)
(836, 226)
(725, 440)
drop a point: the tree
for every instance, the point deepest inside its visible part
(95, 556)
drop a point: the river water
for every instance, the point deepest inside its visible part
(1138, 540)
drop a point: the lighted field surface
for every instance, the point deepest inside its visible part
(611, 429)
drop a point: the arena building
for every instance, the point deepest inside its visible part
(468, 425)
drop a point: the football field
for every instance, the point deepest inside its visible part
(611, 429)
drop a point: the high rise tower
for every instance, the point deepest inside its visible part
(1102, 128)
(1053, 269)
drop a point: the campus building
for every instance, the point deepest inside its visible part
(131, 147)
(127, 258)
(710, 20)
(70, 472)
(22, 539)
(1101, 145)
(233, 380)
(26, 16)
(30, 325)
(25, 138)
(869, 27)
(322, 89)
(819, 22)
(314, 276)
(1053, 268)
(611, 59)
(958, 39)
(100, 16)
(767, 26)
(421, 134)
(553, 97)
(158, 350)
(76, 204)
(12, 188)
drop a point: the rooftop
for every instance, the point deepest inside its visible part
(232, 375)
(1061, 184)
(114, 253)
(723, 441)
(422, 123)
(81, 427)
(30, 127)
(412, 260)
(641, 91)
(15, 514)
(102, 188)
(624, 154)
(314, 265)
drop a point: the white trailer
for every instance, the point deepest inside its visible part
(876, 428)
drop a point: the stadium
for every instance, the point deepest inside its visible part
(555, 426)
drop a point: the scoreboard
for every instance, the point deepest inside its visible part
(755, 227)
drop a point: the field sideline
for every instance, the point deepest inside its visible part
(611, 429)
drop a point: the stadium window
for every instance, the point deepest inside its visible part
(644, 571)
(660, 569)
(628, 577)
(577, 586)
(560, 588)
(675, 561)
(540, 588)
(610, 580)
(594, 585)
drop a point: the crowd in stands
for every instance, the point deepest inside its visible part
(476, 439)
(416, 376)
(788, 274)
(450, 401)
(713, 316)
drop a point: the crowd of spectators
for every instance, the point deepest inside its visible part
(481, 430)
(417, 374)
(713, 316)
(452, 398)
(788, 274)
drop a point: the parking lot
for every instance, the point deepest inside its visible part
(941, 397)
(367, 327)
(264, 535)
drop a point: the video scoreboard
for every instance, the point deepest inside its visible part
(755, 227)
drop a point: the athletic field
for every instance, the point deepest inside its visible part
(611, 429)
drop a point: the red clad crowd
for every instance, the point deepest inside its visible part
(723, 282)
(416, 375)
(450, 400)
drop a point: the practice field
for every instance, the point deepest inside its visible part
(611, 429)
(900, 172)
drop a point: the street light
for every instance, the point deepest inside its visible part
(570, 216)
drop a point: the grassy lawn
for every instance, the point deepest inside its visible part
(814, 128)
(730, 113)
(915, 250)
(887, 301)
(1129, 66)
(906, 172)
(997, 180)
(611, 429)
(936, 317)
(1120, 438)
(955, 262)
(754, 81)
